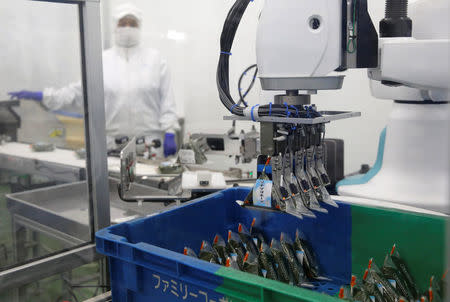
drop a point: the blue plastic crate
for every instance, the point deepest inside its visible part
(147, 263)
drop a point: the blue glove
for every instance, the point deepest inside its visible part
(26, 94)
(170, 146)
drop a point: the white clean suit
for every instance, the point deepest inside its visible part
(138, 94)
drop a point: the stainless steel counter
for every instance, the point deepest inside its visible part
(61, 212)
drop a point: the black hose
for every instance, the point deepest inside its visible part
(123, 198)
(396, 22)
(252, 83)
(396, 9)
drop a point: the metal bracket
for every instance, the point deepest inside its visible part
(128, 176)
(48, 266)
(327, 116)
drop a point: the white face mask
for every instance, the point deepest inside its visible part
(127, 36)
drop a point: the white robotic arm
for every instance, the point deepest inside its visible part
(421, 63)
(299, 44)
(414, 71)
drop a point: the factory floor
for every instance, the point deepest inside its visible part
(75, 286)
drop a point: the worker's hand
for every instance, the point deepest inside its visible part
(26, 94)
(170, 146)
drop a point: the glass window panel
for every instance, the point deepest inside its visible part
(189, 37)
(43, 193)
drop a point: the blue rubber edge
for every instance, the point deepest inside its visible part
(365, 178)
(136, 266)
(146, 251)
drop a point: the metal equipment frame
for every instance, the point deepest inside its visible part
(327, 116)
(97, 168)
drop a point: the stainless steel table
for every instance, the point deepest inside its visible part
(61, 164)
(61, 213)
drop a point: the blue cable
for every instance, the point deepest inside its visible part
(270, 109)
(232, 107)
(312, 110)
(226, 53)
(296, 115)
(296, 110)
(253, 118)
(308, 114)
(288, 114)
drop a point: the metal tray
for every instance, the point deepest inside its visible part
(64, 208)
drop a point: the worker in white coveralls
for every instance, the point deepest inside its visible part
(139, 100)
